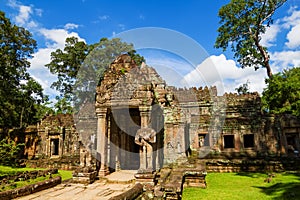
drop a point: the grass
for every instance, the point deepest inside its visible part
(14, 185)
(5, 170)
(65, 174)
(222, 186)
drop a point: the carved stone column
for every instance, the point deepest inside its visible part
(145, 115)
(102, 140)
(145, 120)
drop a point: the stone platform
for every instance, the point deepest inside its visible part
(104, 189)
(122, 176)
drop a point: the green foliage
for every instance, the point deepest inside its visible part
(9, 170)
(45, 108)
(9, 152)
(242, 24)
(138, 59)
(66, 63)
(62, 106)
(246, 186)
(19, 93)
(282, 94)
(80, 66)
(6, 170)
(243, 89)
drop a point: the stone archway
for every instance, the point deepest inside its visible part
(123, 152)
(141, 95)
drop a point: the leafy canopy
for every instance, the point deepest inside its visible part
(80, 66)
(242, 22)
(9, 152)
(244, 88)
(282, 94)
(19, 93)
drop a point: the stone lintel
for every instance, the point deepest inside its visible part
(101, 112)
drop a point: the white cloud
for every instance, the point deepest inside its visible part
(23, 18)
(293, 19)
(293, 37)
(121, 26)
(223, 73)
(38, 12)
(269, 37)
(70, 26)
(24, 13)
(58, 36)
(55, 38)
(292, 23)
(38, 70)
(104, 17)
(285, 59)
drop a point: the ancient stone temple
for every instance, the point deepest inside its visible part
(140, 123)
(54, 137)
(134, 108)
(58, 136)
(144, 124)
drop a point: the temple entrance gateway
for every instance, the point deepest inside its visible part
(132, 98)
(123, 152)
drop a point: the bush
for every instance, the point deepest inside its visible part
(9, 152)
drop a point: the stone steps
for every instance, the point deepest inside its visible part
(173, 180)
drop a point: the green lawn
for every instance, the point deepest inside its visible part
(222, 186)
(4, 170)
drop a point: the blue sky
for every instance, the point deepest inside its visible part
(192, 21)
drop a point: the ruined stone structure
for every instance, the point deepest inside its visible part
(139, 122)
(58, 137)
(54, 137)
(144, 124)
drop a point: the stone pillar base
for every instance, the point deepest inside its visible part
(84, 175)
(147, 179)
(103, 173)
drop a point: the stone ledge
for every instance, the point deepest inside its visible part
(30, 189)
(84, 177)
(132, 193)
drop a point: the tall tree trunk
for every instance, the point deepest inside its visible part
(266, 60)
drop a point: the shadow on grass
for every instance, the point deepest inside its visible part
(283, 190)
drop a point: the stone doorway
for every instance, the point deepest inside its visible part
(292, 142)
(54, 147)
(123, 151)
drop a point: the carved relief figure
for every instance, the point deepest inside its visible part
(146, 138)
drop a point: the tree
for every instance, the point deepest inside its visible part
(18, 91)
(66, 63)
(45, 108)
(244, 88)
(282, 94)
(9, 152)
(242, 24)
(63, 106)
(80, 66)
